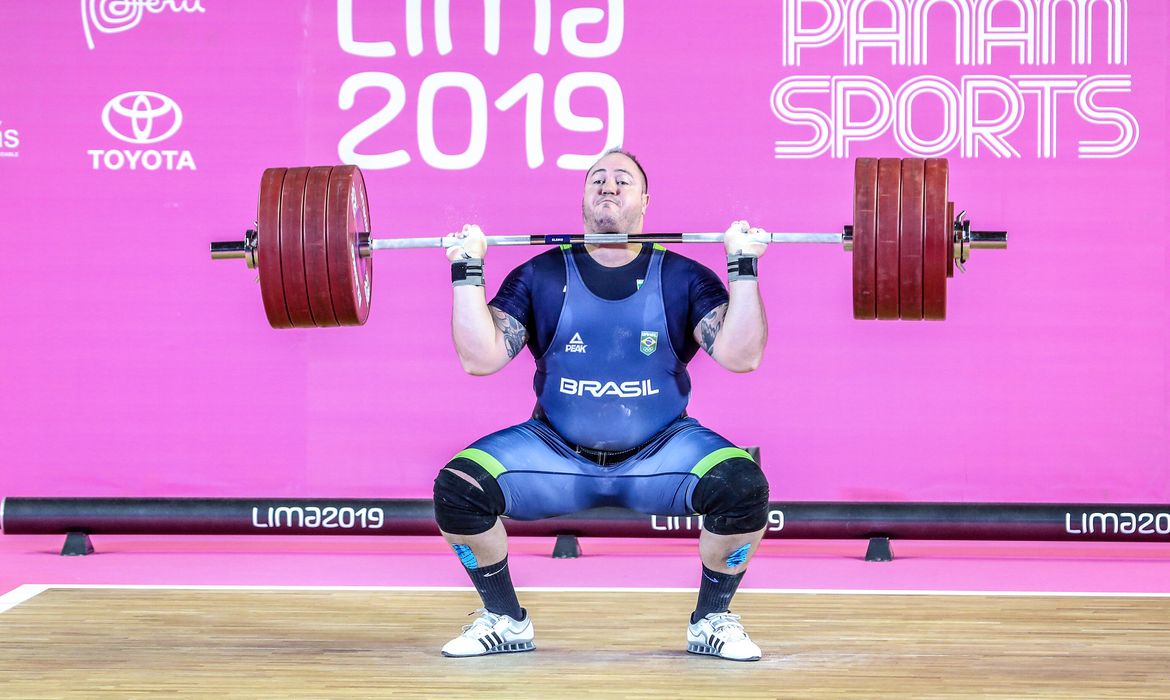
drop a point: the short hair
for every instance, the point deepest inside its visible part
(631, 156)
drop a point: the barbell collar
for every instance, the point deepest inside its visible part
(237, 250)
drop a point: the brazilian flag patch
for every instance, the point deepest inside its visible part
(649, 342)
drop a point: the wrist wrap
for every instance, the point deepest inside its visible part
(742, 267)
(467, 271)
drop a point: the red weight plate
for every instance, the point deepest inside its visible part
(292, 257)
(865, 176)
(910, 236)
(889, 208)
(315, 245)
(350, 275)
(268, 248)
(937, 241)
(951, 231)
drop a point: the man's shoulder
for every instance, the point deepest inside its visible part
(673, 262)
(551, 261)
(553, 253)
(541, 263)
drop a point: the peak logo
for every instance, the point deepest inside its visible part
(142, 117)
(116, 16)
(575, 344)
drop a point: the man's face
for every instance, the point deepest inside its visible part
(615, 196)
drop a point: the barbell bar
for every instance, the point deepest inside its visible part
(313, 247)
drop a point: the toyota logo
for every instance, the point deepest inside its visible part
(142, 117)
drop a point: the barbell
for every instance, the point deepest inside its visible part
(313, 247)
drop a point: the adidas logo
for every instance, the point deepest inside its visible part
(575, 344)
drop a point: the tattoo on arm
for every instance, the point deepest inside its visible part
(709, 327)
(515, 335)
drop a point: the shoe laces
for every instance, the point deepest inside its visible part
(727, 626)
(486, 621)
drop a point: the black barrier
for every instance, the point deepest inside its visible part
(809, 520)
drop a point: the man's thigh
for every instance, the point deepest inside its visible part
(662, 477)
(541, 476)
(538, 473)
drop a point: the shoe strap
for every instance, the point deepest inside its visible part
(486, 619)
(724, 623)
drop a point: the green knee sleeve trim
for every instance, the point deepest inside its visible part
(659, 246)
(488, 462)
(566, 246)
(716, 457)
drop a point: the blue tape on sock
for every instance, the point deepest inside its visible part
(738, 557)
(466, 556)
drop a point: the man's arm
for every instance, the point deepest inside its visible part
(486, 338)
(734, 334)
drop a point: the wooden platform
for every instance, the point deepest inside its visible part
(286, 643)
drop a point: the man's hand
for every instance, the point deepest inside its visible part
(740, 239)
(472, 244)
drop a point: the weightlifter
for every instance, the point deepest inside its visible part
(612, 328)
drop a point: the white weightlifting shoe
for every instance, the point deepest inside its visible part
(721, 634)
(492, 634)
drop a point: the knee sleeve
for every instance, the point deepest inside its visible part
(462, 508)
(732, 497)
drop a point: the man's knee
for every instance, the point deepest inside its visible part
(732, 497)
(467, 498)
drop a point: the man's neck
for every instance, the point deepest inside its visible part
(613, 254)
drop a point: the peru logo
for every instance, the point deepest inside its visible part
(116, 16)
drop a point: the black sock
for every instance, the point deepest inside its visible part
(494, 584)
(715, 593)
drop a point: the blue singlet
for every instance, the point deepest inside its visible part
(610, 379)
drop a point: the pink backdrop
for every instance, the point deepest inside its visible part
(132, 365)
